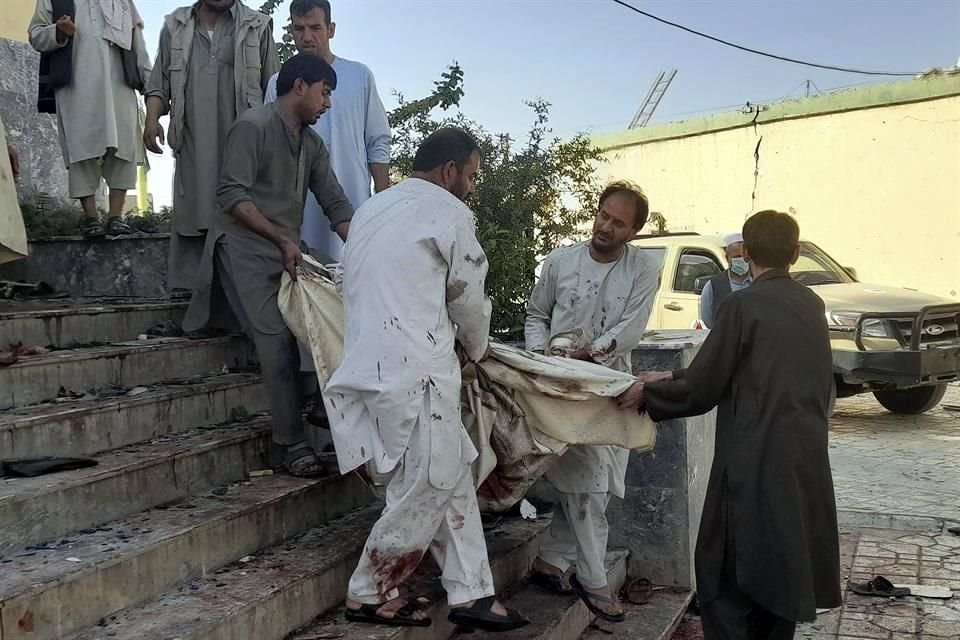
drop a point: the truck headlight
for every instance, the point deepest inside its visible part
(872, 328)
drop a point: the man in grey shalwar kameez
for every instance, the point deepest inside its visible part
(97, 111)
(213, 63)
(271, 158)
(602, 291)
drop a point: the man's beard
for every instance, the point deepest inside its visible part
(219, 8)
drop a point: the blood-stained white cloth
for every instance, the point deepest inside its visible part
(413, 286)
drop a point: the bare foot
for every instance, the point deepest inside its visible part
(388, 610)
(541, 566)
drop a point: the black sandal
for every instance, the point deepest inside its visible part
(589, 599)
(878, 587)
(367, 614)
(92, 228)
(481, 616)
(117, 227)
(302, 462)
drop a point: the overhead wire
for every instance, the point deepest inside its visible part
(757, 51)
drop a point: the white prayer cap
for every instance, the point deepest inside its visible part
(733, 238)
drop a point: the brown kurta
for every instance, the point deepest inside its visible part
(767, 364)
(269, 164)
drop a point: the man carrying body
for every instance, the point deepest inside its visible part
(768, 550)
(413, 302)
(605, 288)
(213, 63)
(355, 131)
(735, 278)
(270, 160)
(98, 115)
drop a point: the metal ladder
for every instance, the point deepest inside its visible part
(654, 96)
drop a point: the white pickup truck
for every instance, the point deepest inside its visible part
(901, 345)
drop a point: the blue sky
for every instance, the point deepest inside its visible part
(594, 61)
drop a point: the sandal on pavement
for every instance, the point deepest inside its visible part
(367, 614)
(879, 587)
(92, 228)
(117, 227)
(590, 598)
(481, 616)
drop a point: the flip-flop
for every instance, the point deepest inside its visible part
(551, 582)
(302, 462)
(367, 614)
(879, 587)
(481, 616)
(589, 599)
(638, 591)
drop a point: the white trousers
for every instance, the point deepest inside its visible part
(577, 537)
(419, 516)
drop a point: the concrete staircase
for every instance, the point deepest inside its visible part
(175, 534)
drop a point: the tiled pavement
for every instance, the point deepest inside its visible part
(905, 466)
(904, 557)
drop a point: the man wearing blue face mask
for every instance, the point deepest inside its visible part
(723, 284)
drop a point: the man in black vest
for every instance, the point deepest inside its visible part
(736, 277)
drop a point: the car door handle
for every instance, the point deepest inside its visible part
(673, 306)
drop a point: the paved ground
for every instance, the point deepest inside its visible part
(907, 467)
(904, 557)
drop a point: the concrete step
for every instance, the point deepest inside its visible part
(512, 547)
(129, 480)
(283, 588)
(655, 620)
(89, 426)
(554, 617)
(59, 590)
(63, 324)
(39, 378)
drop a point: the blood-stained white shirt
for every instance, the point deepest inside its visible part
(413, 285)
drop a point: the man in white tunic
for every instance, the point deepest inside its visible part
(602, 290)
(356, 130)
(414, 306)
(97, 111)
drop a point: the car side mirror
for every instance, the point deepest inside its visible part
(700, 284)
(852, 272)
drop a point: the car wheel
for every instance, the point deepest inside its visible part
(911, 401)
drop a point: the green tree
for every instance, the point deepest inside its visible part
(285, 48)
(532, 195)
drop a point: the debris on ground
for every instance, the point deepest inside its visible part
(17, 351)
(879, 587)
(260, 473)
(167, 329)
(15, 290)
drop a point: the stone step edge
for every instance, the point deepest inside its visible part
(116, 350)
(83, 309)
(279, 591)
(22, 417)
(121, 461)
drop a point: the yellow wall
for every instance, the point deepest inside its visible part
(14, 17)
(878, 188)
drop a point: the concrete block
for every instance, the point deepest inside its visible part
(133, 266)
(71, 586)
(88, 427)
(38, 379)
(129, 480)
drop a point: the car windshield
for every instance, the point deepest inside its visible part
(815, 267)
(655, 255)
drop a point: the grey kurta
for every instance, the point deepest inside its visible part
(610, 304)
(271, 165)
(210, 110)
(767, 364)
(97, 111)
